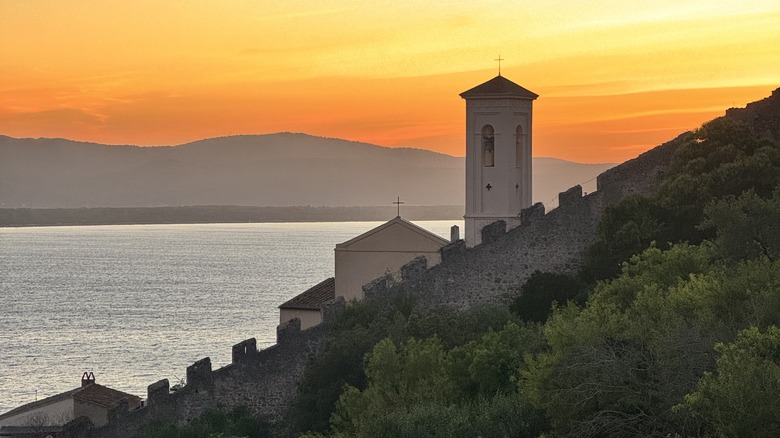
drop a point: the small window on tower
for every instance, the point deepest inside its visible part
(488, 147)
(519, 155)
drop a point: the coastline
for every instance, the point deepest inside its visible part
(208, 214)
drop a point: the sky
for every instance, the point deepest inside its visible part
(615, 77)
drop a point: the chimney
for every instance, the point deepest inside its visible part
(87, 378)
(454, 234)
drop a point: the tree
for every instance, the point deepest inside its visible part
(414, 375)
(540, 291)
(740, 397)
(721, 159)
(624, 230)
(213, 423)
(359, 328)
(746, 226)
(419, 389)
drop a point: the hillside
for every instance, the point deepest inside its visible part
(282, 169)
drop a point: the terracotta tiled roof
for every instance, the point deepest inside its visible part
(313, 298)
(499, 86)
(100, 395)
(93, 394)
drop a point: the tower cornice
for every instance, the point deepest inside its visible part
(499, 87)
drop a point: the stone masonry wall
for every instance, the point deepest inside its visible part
(760, 117)
(264, 381)
(641, 175)
(488, 272)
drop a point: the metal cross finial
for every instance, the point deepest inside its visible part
(499, 59)
(398, 203)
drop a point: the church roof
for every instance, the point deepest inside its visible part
(499, 86)
(314, 297)
(400, 222)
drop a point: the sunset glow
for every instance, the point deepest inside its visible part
(614, 77)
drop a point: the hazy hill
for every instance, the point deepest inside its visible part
(256, 170)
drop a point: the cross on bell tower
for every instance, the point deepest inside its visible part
(498, 154)
(499, 59)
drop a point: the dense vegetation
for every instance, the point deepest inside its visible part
(672, 328)
(212, 424)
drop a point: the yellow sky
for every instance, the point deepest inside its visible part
(614, 77)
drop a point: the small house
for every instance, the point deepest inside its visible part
(48, 416)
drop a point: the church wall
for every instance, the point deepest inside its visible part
(362, 260)
(356, 268)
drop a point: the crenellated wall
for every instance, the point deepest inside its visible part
(263, 380)
(760, 117)
(500, 265)
(640, 175)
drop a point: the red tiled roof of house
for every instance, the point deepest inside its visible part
(103, 396)
(314, 297)
(93, 394)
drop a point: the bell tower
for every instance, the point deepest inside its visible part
(498, 154)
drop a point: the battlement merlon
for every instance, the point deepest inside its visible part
(244, 351)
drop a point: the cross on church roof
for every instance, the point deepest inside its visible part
(499, 59)
(398, 203)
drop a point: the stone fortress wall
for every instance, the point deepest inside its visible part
(265, 381)
(760, 117)
(262, 380)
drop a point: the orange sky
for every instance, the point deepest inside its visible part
(614, 77)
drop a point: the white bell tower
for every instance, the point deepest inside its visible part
(498, 154)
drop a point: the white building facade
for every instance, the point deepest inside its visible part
(384, 249)
(499, 122)
(373, 254)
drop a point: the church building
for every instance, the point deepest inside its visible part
(358, 261)
(498, 185)
(498, 154)
(383, 249)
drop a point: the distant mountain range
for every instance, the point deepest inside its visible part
(284, 169)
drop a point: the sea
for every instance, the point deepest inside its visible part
(138, 303)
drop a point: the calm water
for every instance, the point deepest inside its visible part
(138, 303)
